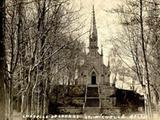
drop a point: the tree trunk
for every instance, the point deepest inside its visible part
(2, 60)
(148, 94)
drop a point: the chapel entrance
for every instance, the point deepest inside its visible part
(93, 78)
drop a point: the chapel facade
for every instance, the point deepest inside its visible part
(94, 71)
(95, 75)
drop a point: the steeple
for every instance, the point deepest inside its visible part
(93, 37)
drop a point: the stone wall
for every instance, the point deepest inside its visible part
(71, 110)
(111, 111)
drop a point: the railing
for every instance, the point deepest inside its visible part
(99, 95)
(85, 99)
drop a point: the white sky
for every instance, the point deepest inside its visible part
(107, 23)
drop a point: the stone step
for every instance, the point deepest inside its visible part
(92, 97)
(92, 102)
(92, 92)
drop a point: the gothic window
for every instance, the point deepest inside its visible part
(93, 78)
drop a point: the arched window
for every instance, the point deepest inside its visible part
(93, 78)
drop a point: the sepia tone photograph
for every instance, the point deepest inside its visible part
(79, 59)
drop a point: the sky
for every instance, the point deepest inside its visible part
(108, 24)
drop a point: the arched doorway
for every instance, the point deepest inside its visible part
(93, 78)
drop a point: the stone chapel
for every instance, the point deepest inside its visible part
(96, 95)
(95, 75)
(94, 71)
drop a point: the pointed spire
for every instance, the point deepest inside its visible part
(93, 29)
(93, 38)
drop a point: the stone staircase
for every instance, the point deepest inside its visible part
(92, 91)
(92, 100)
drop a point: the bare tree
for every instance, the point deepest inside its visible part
(140, 23)
(41, 44)
(2, 60)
